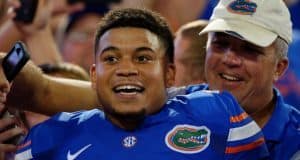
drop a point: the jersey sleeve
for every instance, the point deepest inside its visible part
(175, 91)
(44, 137)
(39, 140)
(245, 139)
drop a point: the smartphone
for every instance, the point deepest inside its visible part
(15, 60)
(27, 11)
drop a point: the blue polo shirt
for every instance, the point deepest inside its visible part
(282, 131)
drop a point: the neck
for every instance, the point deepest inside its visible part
(126, 122)
(261, 117)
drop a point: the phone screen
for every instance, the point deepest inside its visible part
(15, 57)
(14, 61)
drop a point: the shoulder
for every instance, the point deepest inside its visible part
(45, 136)
(208, 102)
(63, 120)
(291, 114)
(76, 117)
(294, 120)
(290, 137)
(295, 113)
(214, 100)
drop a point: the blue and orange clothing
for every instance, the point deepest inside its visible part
(282, 131)
(200, 125)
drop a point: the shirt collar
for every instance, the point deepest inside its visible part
(278, 120)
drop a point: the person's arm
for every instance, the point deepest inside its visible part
(38, 35)
(40, 93)
(46, 52)
(176, 12)
(8, 35)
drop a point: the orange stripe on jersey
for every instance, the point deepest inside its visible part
(245, 147)
(238, 118)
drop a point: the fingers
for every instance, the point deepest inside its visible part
(12, 5)
(10, 133)
(6, 132)
(7, 121)
(7, 147)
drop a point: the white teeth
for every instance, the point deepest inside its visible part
(230, 78)
(128, 87)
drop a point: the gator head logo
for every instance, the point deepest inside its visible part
(188, 139)
(244, 7)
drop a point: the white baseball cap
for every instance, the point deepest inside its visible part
(257, 21)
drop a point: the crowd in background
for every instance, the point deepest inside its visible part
(73, 32)
(61, 40)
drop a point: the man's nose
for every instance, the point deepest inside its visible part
(127, 68)
(232, 57)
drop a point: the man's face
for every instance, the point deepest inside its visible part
(189, 64)
(246, 70)
(131, 72)
(78, 44)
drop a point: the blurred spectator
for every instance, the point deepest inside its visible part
(206, 13)
(77, 45)
(189, 53)
(175, 11)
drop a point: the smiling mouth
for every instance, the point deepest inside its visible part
(230, 78)
(128, 89)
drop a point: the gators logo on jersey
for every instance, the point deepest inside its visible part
(188, 139)
(244, 7)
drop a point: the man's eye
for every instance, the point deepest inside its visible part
(252, 50)
(219, 44)
(110, 59)
(143, 58)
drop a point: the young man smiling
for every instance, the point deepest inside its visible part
(133, 55)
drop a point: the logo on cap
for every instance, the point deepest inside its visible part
(244, 7)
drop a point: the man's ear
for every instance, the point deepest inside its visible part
(93, 76)
(281, 67)
(170, 77)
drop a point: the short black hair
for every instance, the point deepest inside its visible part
(139, 18)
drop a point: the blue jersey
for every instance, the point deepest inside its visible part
(201, 125)
(282, 131)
